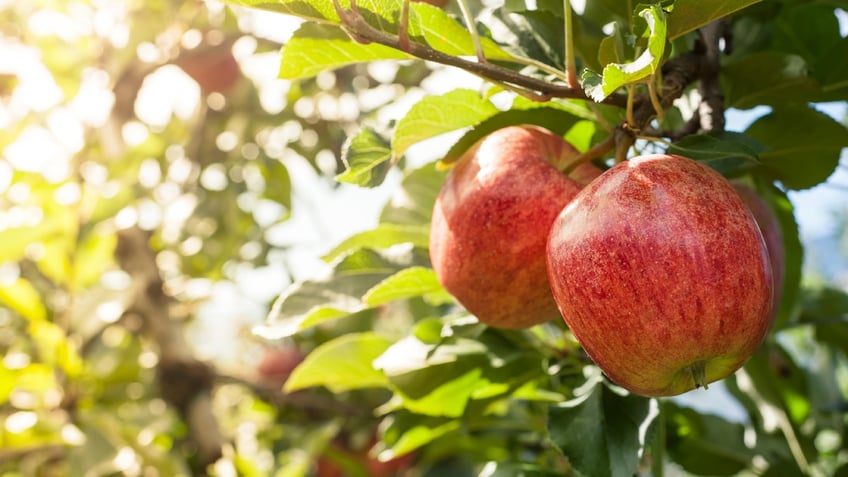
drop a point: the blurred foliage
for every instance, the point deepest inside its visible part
(169, 117)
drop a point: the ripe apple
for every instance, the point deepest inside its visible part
(770, 228)
(662, 274)
(277, 364)
(491, 220)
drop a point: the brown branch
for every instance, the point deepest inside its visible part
(711, 109)
(184, 381)
(361, 31)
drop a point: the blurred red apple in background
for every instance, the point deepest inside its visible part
(214, 68)
(770, 228)
(491, 221)
(278, 363)
(662, 275)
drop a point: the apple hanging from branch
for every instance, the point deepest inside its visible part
(662, 274)
(491, 220)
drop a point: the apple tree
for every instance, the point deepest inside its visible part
(121, 221)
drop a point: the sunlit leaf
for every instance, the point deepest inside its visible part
(688, 15)
(367, 159)
(435, 115)
(407, 283)
(311, 302)
(409, 431)
(93, 256)
(317, 10)
(54, 347)
(554, 118)
(616, 75)
(22, 297)
(383, 236)
(412, 203)
(315, 48)
(443, 33)
(278, 185)
(342, 364)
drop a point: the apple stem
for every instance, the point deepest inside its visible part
(699, 374)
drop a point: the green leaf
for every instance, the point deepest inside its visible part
(54, 347)
(366, 157)
(409, 431)
(616, 75)
(278, 185)
(316, 10)
(383, 236)
(316, 47)
(412, 203)
(779, 381)
(826, 309)
(803, 145)
(598, 431)
(780, 78)
(435, 380)
(94, 255)
(342, 364)
(689, 15)
(435, 115)
(703, 444)
(727, 152)
(408, 283)
(435, 27)
(308, 303)
(553, 118)
(23, 298)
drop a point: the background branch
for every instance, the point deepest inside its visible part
(184, 381)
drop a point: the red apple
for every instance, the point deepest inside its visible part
(278, 363)
(770, 228)
(491, 220)
(662, 275)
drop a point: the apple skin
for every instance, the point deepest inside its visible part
(772, 234)
(491, 220)
(662, 274)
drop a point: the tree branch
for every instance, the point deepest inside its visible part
(361, 31)
(711, 109)
(184, 381)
